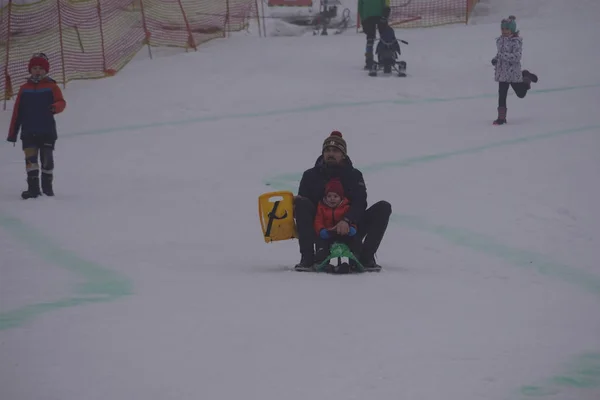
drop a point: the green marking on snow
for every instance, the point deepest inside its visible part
(472, 240)
(519, 257)
(109, 286)
(288, 181)
(584, 371)
(100, 284)
(312, 108)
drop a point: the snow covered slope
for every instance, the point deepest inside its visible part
(147, 277)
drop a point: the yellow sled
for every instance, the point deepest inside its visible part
(276, 212)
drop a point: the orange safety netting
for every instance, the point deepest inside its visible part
(96, 38)
(427, 13)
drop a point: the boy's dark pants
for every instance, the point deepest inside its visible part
(43, 150)
(371, 228)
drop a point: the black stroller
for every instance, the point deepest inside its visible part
(388, 50)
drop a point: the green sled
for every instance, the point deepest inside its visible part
(339, 250)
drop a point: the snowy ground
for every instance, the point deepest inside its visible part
(147, 277)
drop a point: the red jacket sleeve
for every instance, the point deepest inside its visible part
(319, 219)
(15, 122)
(59, 101)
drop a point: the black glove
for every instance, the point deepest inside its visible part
(494, 61)
(11, 139)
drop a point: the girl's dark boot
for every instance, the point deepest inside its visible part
(501, 116)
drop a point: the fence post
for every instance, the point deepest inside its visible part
(470, 6)
(191, 41)
(62, 47)
(99, 9)
(8, 87)
(145, 27)
(467, 12)
(226, 25)
(257, 18)
(262, 6)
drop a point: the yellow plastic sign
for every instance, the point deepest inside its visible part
(276, 212)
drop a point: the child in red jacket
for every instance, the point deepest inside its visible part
(37, 101)
(331, 210)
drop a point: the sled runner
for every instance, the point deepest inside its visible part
(388, 51)
(340, 252)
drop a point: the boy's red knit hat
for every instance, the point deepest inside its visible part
(39, 60)
(335, 186)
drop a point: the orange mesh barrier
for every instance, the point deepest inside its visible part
(290, 3)
(427, 13)
(96, 38)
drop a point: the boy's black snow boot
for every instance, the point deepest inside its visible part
(307, 263)
(501, 116)
(33, 188)
(47, 184)
(369, 61)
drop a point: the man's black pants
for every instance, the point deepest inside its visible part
(371, 228)
(371, 26)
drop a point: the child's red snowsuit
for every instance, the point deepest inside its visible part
(327, 217)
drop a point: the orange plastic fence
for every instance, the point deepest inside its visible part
(290, 3)
(427, 13)
(95, 38)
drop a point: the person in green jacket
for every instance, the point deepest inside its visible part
(374, 16)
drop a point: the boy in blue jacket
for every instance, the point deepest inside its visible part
(37, 101)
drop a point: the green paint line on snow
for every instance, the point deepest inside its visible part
(310, 108)
(478, 149)
(472, 240)
(100, 284)
(285, 181)
(107, 285)
(583, 372)
(489, 246)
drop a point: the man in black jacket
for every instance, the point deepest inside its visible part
(371, 222)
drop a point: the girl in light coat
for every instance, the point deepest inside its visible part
(507, 65)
